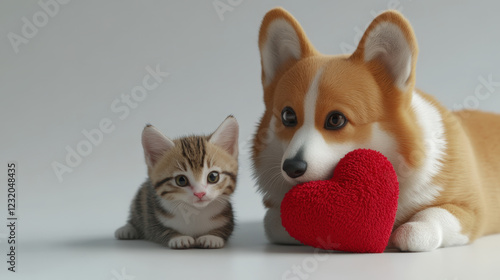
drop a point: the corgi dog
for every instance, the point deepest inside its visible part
(320, 107)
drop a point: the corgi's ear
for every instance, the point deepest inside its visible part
(389, 41)
(226, 136)
(281, 41)
(155, 145)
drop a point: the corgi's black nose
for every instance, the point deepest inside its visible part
(294, 167)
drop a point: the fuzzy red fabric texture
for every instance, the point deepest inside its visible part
(354, 211)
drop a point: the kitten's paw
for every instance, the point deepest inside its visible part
(417, 237)
(181, 242)
(126, 232)
(210, 242)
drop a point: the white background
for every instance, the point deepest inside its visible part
(65, 78)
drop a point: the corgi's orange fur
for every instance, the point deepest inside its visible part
(320, 107)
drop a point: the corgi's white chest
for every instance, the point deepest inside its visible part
(416, 188)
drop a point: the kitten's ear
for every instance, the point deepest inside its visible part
(226, 136)
(389, 41)
(155, 144)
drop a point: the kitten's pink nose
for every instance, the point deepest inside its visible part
(200, 194)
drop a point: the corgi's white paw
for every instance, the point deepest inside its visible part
(210, 242)
(417, 237)
(181, 242)
(275, 232)
(126, 232)
(428, 230)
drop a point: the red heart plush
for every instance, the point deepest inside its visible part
(354, 211)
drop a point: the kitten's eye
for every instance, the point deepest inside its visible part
(213, 177)
(288, 117)
(181, 181)
(335, 120)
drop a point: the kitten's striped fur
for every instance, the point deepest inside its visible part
(198, 214)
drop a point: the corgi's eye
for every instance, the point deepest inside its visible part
(335, 120)
(181, 181)
(288, 117)
(213, 177)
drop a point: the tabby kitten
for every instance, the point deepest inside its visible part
(185, 202)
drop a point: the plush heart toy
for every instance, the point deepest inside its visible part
(354, 211)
